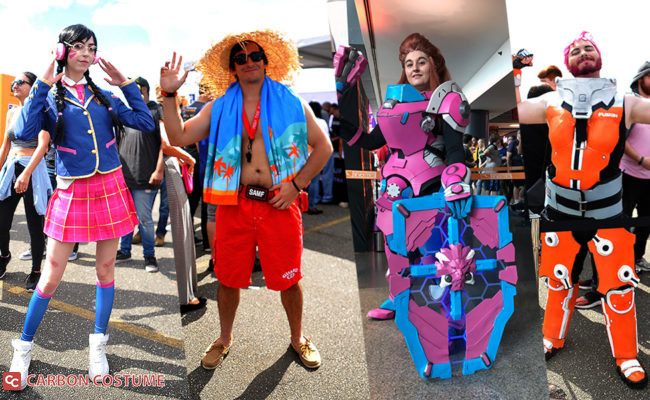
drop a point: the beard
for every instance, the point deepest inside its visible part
(579, 71)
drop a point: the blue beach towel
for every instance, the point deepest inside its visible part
(284, 129)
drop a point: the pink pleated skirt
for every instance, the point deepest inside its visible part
(99, 207)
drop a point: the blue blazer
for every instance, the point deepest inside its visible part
(88, 144)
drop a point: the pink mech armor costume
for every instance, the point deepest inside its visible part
(429, 300)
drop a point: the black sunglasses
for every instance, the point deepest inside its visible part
(256, 56)
(18, 82)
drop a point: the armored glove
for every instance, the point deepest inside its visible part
(349, 65)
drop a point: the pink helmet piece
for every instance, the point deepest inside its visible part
(584, 35)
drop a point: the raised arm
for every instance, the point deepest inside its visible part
(349, 65)
(350, 128)
(532, 111)
(178, 132)
(138, 115)
(38, 112)
(637, 110)
(529, 111)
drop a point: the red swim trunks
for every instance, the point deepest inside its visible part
(276, 233)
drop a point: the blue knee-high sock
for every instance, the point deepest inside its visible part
(103, 305)
(35, 312)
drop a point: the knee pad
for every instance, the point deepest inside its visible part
(620, 321)
(559, 250)
(613, 253)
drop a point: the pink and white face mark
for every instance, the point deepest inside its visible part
(81, 60)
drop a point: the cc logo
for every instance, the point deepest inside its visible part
(11, 381)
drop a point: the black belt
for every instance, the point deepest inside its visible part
(258, 193)
(582, 206)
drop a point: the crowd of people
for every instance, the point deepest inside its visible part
(498, 152)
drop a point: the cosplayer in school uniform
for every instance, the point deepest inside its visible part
(92, 202)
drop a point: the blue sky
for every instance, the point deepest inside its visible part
(139, 35)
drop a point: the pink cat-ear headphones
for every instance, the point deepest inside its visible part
(60, 53)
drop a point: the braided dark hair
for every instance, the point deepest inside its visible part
(59, 100)
(70, 35)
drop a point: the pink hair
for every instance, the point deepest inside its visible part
(584, 35)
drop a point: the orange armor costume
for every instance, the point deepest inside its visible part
(587, 136)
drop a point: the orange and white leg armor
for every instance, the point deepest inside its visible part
(620, 320)
(619, 310)
(613, 254)
(559, 251)
(560, 304)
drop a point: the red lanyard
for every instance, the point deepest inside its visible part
(251, 129)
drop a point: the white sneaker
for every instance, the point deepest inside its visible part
(22, 359)
(27, 255)
(98, 365)
(73, 256)
(642, 265)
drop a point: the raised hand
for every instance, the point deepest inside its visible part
(170, 81)
(116, 77)
(49, 73)
(522, 59)
(349, 65)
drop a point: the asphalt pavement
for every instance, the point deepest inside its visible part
(261, 363)
(145, 328)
